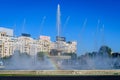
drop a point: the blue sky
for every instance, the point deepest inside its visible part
(79, 20)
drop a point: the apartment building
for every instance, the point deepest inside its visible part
(30, 46)
(26, 44)
(44, 44)
(6, 45)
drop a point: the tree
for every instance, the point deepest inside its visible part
(41, 55)
(105, 49)
(73, 56)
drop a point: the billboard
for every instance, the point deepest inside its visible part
(58, 38)
(45, 38)
(8, 31)
(26, 35)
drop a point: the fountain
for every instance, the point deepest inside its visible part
(58, 19)
(49, 65)
(58, 30)
(59, 59)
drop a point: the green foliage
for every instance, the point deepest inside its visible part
(73, 55)
(105, 49)
(7, 57)
(24, 55)
(41, 55)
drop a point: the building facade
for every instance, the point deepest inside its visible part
(44, 44)
(6, 45)
(25, 44)
(9, 32)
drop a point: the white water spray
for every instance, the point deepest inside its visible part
(58, 19)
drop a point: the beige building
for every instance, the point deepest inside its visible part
(71, 47)
(65, 47)
(8, 32)
(6, 45)
(30, 46)
(26, 45)
(44, 44)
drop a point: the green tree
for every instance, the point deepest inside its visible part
(105, 49)
(41, 55)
